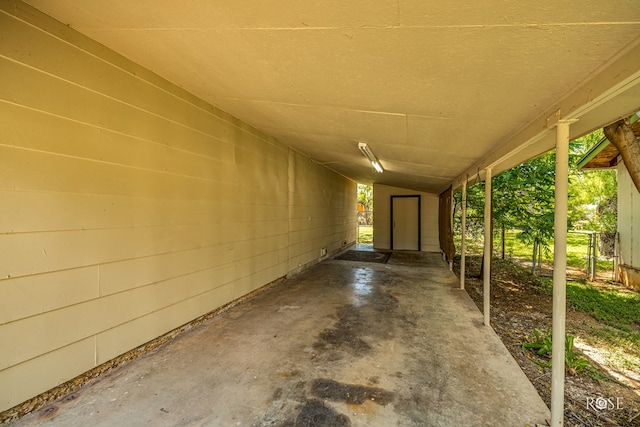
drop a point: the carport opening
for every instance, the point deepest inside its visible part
(365, 216)
(363, 251)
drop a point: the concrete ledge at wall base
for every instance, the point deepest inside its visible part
(337, 252)
(74, 384)
(630, 276)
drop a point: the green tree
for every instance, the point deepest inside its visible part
(524, 198)
(365, 198)
(594, 192)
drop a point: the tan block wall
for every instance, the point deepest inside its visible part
(382, 217)
(129, 207)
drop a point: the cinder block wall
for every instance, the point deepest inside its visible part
(382, 217)
(129, 207)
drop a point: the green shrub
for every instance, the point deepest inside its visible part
(541, 343)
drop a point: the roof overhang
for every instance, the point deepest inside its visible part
(603, 155)
(592, 106)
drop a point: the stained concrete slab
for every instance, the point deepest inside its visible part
(342, 344)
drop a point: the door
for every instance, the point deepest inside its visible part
(405, 223)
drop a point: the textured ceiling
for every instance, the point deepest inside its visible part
(433, 87)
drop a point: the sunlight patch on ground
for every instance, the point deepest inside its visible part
(604, 359)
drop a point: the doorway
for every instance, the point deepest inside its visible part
(405, 223)
(365, 215)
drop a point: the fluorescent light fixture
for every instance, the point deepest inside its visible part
(369, 155)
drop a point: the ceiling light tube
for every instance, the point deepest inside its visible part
(370, 156)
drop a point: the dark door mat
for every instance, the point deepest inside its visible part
(365, 256)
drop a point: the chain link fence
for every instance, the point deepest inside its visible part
(591, 252)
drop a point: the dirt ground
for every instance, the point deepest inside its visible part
(518, 306)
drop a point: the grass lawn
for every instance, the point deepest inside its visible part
(577, 245)
(618, 312)
(365, 234)
(618, 309)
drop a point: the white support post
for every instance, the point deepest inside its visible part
(453, 203)
(487, 248)
(463, 235)
(559, 273)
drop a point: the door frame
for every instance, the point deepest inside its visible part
(419, 218)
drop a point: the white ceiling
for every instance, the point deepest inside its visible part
(437, 89)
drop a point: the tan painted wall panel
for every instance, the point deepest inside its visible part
(257, 229)
(133, 273)
(37, 19)
(105, 211)
(131, 207)
(319, 222)
(263, 213)
(32, 129)
(26, 170)
(120, 339)
(248, 283)
(35, 376)
(252, 196)
(36, 130)
(317, 193)
(258, 245)
(42, 252)
(258, 263)
(44, 92)
(70, 65)
(49, 331)
(312, 237)
(32, 47)
(250, 148)
(186, 163)
(31, 295)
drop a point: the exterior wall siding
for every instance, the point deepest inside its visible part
(628, 220)
(129, 207)
(382, 217)
(320, 216)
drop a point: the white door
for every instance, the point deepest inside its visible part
(405, 223)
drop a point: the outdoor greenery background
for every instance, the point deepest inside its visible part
(523, 203)
(523, 206)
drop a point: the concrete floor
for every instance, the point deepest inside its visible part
(344, 344)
